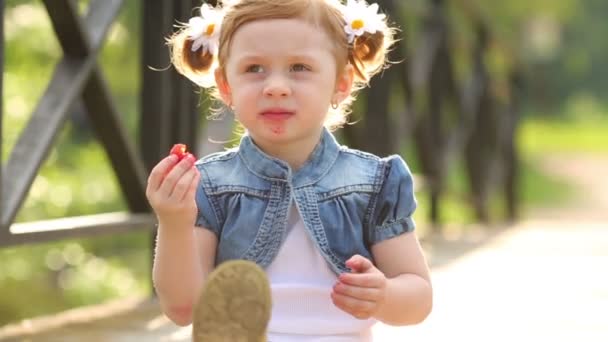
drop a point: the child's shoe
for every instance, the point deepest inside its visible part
(234, 305)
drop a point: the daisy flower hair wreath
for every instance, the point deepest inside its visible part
(204, 30)
(359, 17)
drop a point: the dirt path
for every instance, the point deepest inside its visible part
(540, 281)
(589, 175)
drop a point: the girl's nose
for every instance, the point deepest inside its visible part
(277, 86)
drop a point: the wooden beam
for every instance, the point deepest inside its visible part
(78, 37)
(98, 101)
(107, 123)
(71, 227)
(34, 143)
(81, 45)
(157, 92)
(3, 229)
(185, 95)
(66, 23)
(99, 18)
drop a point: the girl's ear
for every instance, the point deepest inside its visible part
(344, 83)
(222, 86)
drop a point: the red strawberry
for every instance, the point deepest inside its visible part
(179, 150)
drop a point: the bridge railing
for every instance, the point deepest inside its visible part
(79, 78)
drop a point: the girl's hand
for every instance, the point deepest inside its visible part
(171, 191)
(362, 292)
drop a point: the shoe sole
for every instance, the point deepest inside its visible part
(234, 305)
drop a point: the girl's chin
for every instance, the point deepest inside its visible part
(270, 129)
(278, 130)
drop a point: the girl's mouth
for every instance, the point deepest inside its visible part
(277, 114)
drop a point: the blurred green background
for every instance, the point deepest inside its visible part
(562, 44)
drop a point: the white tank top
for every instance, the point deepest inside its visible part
(301, 282)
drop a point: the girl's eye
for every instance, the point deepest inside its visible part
(300, 67)
(254, 68)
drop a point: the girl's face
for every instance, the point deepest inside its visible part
(281, 78)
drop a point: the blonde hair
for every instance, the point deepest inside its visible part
(367, 53)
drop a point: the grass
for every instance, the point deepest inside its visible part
(540, 136)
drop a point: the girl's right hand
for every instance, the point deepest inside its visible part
(171, 191)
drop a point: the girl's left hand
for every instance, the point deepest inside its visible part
(362, 292)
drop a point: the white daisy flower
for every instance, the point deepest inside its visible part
(361, 18)
(205, 30)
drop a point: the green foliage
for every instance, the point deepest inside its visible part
(46, 278)
(581, 129)
(75, 179)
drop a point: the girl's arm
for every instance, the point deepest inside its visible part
(396, 288)
(184, 256)
(409, 295)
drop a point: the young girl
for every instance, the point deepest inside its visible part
(330, 226)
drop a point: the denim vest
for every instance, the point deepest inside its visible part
(348, 200)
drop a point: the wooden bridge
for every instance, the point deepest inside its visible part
(78, 78)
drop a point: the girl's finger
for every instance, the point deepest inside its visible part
(362, 293)
(191, 193)
(373, 280)
(182, 186)
(178, 171)
(159, 171)
(351, 305)
(358, 263)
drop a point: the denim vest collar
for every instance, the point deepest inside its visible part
(320, 161)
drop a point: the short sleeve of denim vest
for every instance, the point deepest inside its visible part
(205, 217)
(395, 203)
